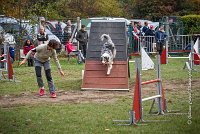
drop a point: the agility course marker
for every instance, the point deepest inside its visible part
(196, 53)
(194, 56)
(163, 57)
(147, 63)
(136, 113)
(7, 65)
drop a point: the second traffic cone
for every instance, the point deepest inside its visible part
(137, 99)
(196, 58)
(10, 68)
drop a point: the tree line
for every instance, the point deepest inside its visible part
(131, 9)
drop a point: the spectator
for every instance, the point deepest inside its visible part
(11, 52)
(195, 36)
(136, 33)
(59, 30)
(28, 45)
(68, 31)
(145, 28)
(149, 38)
(42, 56)
(42, 36)
(160, 37)
(69, 47)
(150, 32)
(139, 27)
(82, 37)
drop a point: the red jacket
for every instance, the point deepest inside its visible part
(69, 47)
(27, 48)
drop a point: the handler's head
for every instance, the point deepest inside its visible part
(54, 44)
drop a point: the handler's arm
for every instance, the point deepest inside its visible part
(57, 63)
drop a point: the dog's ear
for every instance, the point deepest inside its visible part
(101, 58)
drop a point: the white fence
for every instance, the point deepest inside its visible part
(177, 43)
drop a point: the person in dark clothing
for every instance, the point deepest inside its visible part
(160, 37)
(145, 28)
(150, 32)
(82, 37)
(149, 38)
(59, 32)
(195, 36)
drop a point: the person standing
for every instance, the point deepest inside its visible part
(28, 45)
(82, 37)
(42, 56)
(68, 30)
(59, 30)
(145, 28)
(42, 36)
(160, 37)
(149, 38)
(135, 33)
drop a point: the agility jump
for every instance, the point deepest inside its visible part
(194, 56)
(7, 65)
(136, 113)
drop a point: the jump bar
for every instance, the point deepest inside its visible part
(152, 97)
(150, 81)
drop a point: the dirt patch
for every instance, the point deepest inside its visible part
(90, 96)
(62, 97)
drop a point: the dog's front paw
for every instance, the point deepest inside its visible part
(108, 72)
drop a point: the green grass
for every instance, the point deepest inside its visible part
(94, 117)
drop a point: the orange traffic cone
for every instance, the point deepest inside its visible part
(10, 68)
(163, 57)
(137, 99)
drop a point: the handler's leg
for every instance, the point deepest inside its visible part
(52, 88)
(38, 69)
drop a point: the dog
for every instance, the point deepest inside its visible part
(108, 52)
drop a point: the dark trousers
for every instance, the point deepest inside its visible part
(83, 49)
(30, 62)
(135, 47)
(159, 47)
(47, 69)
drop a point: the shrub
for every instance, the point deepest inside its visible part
(191, 24)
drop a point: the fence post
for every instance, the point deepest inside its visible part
(159, 84)
(78, 28)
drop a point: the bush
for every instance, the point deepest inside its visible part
(191, 24)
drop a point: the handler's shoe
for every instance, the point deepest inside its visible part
(53, 95)
(41, 91)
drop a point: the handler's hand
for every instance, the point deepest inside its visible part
(62, 73)
(23, 62)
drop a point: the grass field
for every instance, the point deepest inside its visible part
(95, 113)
